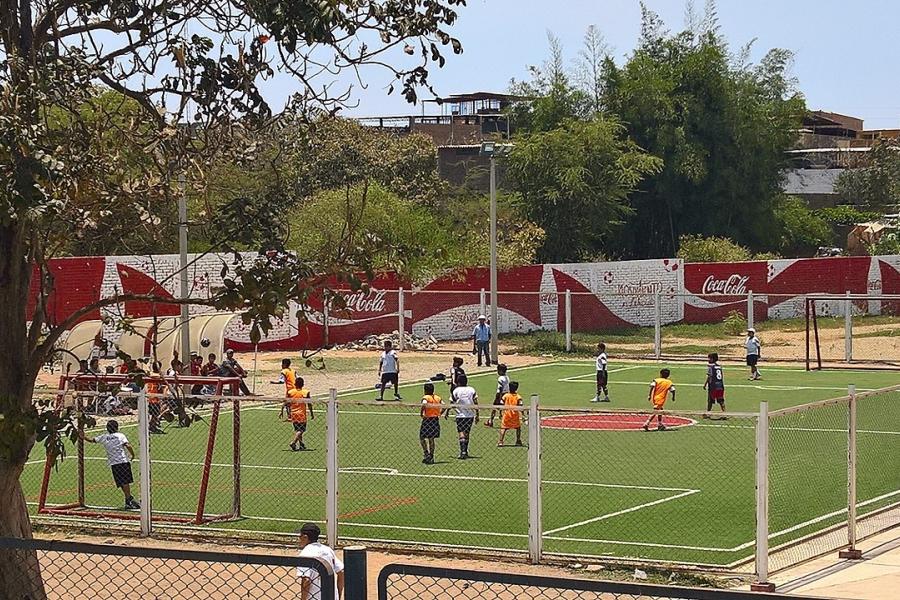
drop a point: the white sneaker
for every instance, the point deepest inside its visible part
(595, 399)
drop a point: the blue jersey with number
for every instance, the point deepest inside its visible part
(715, 377)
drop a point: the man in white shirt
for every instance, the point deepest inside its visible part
(466, 399)
(389, 370)
(754, 350)
(310, 581)
(602, 374)
(116, 445)
(481, 340)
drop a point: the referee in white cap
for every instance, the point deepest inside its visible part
(481, 338)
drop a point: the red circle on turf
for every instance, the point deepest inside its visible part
(611, 422)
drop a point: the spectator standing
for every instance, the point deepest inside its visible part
(310, 582)
(481, 338)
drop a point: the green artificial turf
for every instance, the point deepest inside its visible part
(685, 495)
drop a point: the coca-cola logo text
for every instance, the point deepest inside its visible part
(372, 302)
(734, 285)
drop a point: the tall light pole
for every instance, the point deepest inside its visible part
(185, 291)
(489, 149)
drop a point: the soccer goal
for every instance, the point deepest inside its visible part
(85, 489)
(852, 330)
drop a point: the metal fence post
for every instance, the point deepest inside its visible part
(535, 527)
(762, 501)
(848, 329)
(325, 308)
(851, 552)
(482, 300)
(355, 573)
(144, 462)
(568, 320)
(401, 325)
(750, 315)
(331, 468)
(657, 325)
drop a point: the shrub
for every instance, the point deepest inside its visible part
(735, 323)
(696, 248)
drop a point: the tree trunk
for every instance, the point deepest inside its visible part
(20, 575)
(20, 571)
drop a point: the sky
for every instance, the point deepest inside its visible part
(846, 59)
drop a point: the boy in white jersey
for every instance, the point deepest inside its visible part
(502, 390)
(754, 350)
(389, 370)
(602, 374)
(466, 400)
(119, 455)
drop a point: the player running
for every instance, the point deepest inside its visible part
(502, 389)
(602, 374)
(294, 406)
(660, 389)
(466, 400)
(754, 350)
(431, 423)
(715, 384)
(512, 419)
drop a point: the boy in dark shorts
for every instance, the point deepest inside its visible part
(466, 400)
(715, 384)
(455, 372)
(431, 423)
(602, 374)
(116, 445)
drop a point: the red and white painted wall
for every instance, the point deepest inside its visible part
(603, 295)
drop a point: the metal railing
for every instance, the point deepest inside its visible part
(52, 569)
(409, 582)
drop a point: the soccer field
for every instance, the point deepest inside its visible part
(684, 495)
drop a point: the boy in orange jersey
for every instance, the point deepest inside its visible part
(660, 388)
(431, 423)
(294, 405)
(511, 419)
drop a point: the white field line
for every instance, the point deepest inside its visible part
(621, 512)
(807, 429)
(387, 472)
(771, 388)
(593, 376)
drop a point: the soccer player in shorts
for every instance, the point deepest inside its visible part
(116, 445)
(502, 389)
(455, 371)
(660, 388)
(389, 370)
(431, 423)
(754, 350)
(715, 384)
(602, 374)
(298, 410)
(512, 419)
(466, 399)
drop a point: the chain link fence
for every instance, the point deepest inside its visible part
(61, 570)
(410, 582)
(563, 482)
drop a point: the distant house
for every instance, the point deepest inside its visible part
(815, 186)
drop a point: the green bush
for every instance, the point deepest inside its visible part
(889, 244)
(696, 248)
(844, 215)
(801, 230)
(735, 323)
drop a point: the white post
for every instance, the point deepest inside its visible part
(255, 366)
(401, 322)
(762, 499)
(851, 551)
(535, 528)
(144, 462)
(848, 329)
(331, 468)
(657, 325)
(495, 324)
(482, 310)
(750, 324)
(568, 320)
(183, 272)
(327, 333)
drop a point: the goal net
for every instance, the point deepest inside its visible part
(195, 467)
(852, 330)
